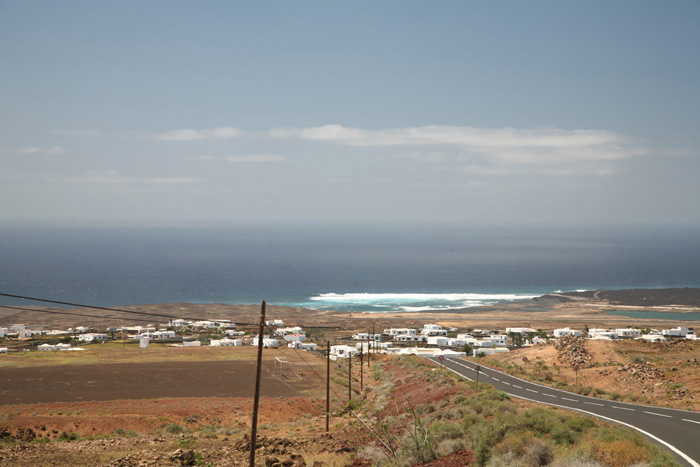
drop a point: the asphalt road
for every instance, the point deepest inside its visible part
(677, 430)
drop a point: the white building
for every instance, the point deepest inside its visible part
(440, 341)
(47, 347)
(3, 332)
(303, 346)
(192, 343)
(91, 337)
(232, 332)
(410, 338)
(628, 332)
(342, 351)
(289, 330)
(295, 337)
(226, 342)
(520, 331)
(178, 323)
(81, 329)
(652, 338)
(267, 342)
(563, 332)
(274, 322)
(400, 332)
(605, 334)
(498, 340)
(680, 331)
(63, 347)
(3, 349)
(433, 330)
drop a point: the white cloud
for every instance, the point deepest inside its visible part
(188, 134)
(44, 150)
(255, 158)
(114, 177)
(454, 135)
(488, 151)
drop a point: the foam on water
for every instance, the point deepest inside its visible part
(408, 302)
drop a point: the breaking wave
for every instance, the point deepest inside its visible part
(409, 302)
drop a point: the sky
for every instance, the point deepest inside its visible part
(363, 112)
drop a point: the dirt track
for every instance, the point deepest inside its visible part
(103, 382)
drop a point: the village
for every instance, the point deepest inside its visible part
(431, 340)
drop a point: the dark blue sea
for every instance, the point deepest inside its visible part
(359, 268)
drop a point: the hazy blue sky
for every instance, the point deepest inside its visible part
(367, 111)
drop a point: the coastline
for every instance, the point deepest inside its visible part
(574, 309)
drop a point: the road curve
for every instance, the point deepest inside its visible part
(677, 430)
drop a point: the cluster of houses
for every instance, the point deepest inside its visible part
(486, 342)
(394, 340)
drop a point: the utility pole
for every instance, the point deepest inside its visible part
(328, 386)
(368, 347)
(361, 363)
(349, 377)
(256, 400)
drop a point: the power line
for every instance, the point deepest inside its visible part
(64, 313)
(119, 310)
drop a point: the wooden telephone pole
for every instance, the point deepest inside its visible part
(328, 386)
(256, 400)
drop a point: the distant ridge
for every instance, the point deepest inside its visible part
(636, 297)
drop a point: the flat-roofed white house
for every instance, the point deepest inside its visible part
(226, 342)
(680, 331)
(308, 346)
(274, 322)
(3, 349)
(47, 347)
(342, 351)
(628, 332)
(563, 332)
(440, 341)
(498, 340)
(652, 338)
(604, 334)
(410, 338)
(289, 330)
(92, 337)
(462, 341)
(267, 342)
(400, 332)
(433, 330)
(294, 337)
(178, 323)
(520, 331)
(3, 332)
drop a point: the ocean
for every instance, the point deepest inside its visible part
(355, 268)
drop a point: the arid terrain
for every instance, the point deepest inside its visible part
(116, 404)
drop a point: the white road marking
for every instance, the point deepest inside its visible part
(659, 414)
(506, 383)
(531, 390)
(593, 403)
(691, 421)
(567, 399)
(519, 387)
(496, 379)
(550, 395)
(622, 408)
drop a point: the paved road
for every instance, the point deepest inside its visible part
(678, 430)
